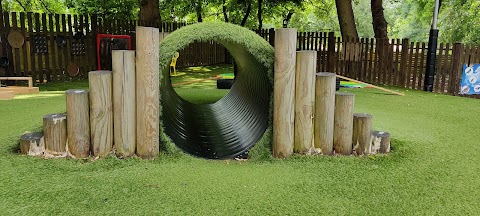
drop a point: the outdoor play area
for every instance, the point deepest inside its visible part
(216, 119)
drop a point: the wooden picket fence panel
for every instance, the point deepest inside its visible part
(394, 62)
(43, 59)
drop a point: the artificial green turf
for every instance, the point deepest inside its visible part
(200, 92)
(434, 169)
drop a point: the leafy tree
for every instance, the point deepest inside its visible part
(47, 6)
(117, 9)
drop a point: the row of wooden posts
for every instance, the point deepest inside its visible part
(118, 113)
(308, 112)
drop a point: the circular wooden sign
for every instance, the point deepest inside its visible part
(73, 69)
(16, 39)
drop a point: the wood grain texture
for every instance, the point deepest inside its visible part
(78, 124)
(147, 82)
(32, 144)
(284, 92)
(124, 104)
(325, 85)
(306, 65)
(362, 131)
(380, 142)
(55, 133)
(343, 121)
(101, 116)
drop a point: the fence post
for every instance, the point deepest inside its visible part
(331, 52)
(271, 37)
(456, 67)
(403, 64)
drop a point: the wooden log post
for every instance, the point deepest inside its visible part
(284, 92)
(101, 116)
(55, 133)
(362, 132)
(380, 142)
(325, 86)
(343, 121)
(32, 144)
(124, 122)
(78, 124)
(147, 83)
(306, 65)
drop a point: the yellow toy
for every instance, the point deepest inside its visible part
(174, 63)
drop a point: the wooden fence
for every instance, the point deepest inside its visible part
(395, 62)
(43, 58)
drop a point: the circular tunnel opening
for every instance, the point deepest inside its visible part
(232, 125)
(202, 72)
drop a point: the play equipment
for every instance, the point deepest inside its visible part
(225, 81)
(105, 44)
(307, 114)
(232, 125)
(173, 64)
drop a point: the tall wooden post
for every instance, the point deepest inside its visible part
(55, 133)
(343, 120)
(124, 122)
(147, 82)
(324, 111)
(284, 92)
(306, 65)
(101, 117)
(362, 132)
(78, 124)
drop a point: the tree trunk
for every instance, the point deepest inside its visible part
(378, 19)
(198, 9)
(260, 20)
(247, 13)
(149, 13)
(284, 94)
(362, 132)
(225, 15)
(55, 133)
(147, 92)
(343, 123)
(78, 124)
(346, 18)
(380, 142)
(306, 64)
(288, 18)
(124, 107)
(324, 111)
(32, 144)
(101, 112)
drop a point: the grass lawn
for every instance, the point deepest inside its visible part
(434, 169)
(200, 92)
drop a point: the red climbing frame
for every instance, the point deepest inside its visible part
(100, 36)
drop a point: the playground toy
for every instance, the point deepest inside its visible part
(307, 113)
(173, 64)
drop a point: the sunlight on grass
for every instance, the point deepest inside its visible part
(41, 95)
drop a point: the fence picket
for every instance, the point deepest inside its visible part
(445, 68)
(52, 49)
(415, 71)
(24, 47)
